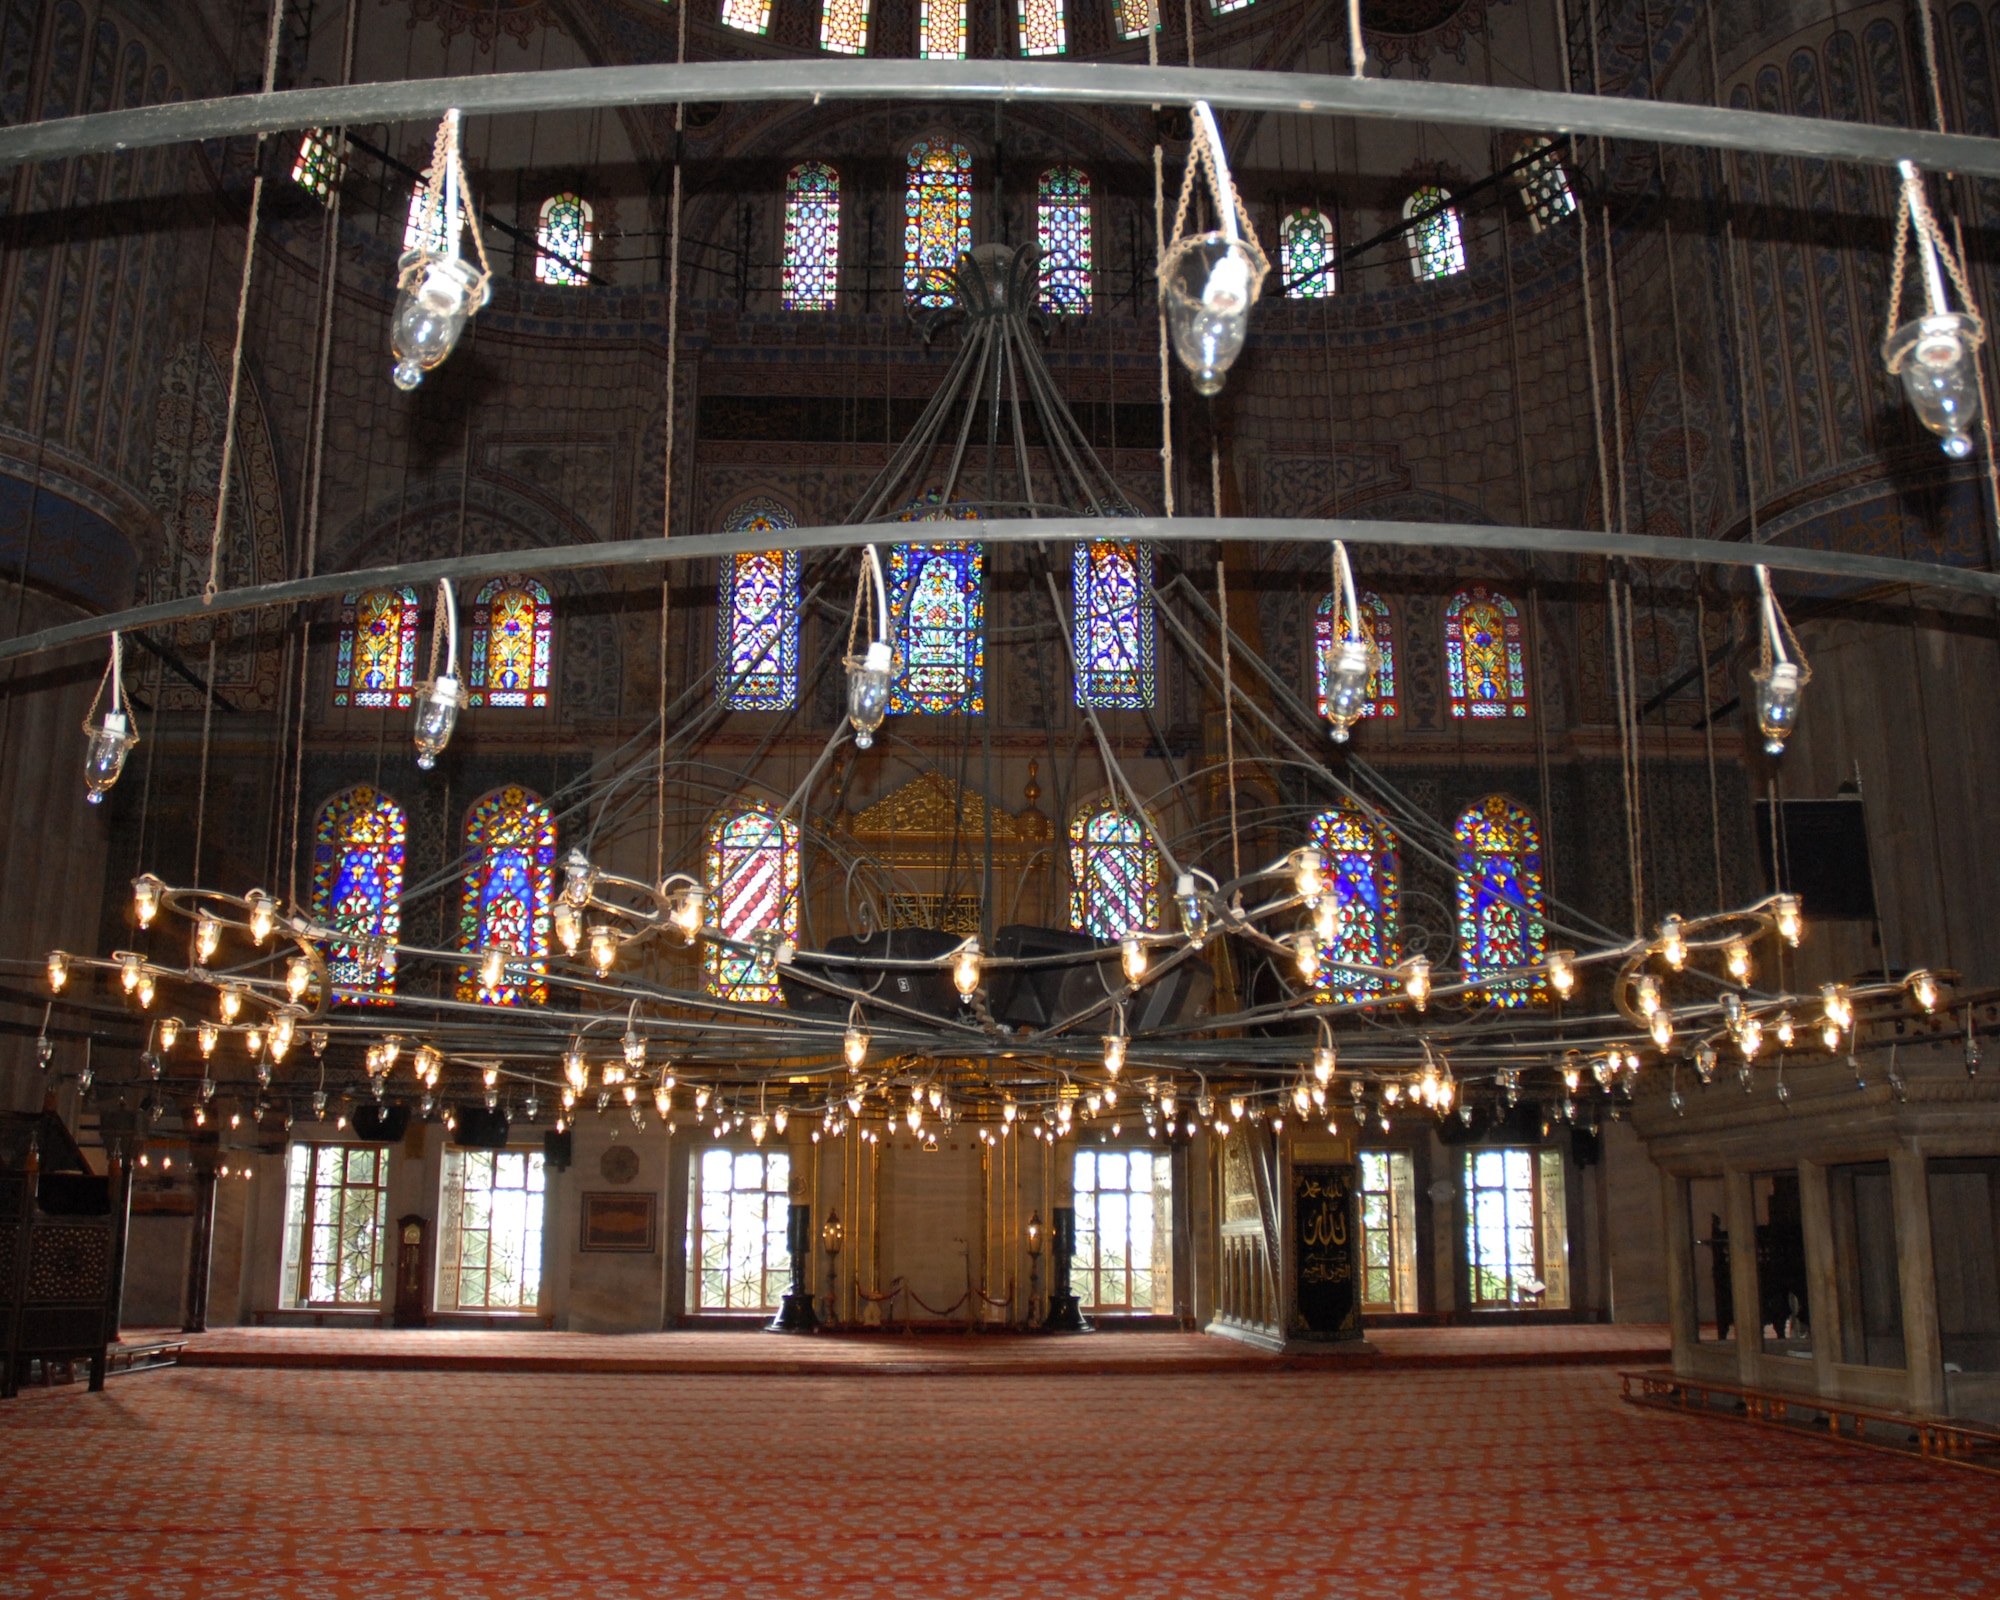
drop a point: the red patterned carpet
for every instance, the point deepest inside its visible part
(1482, 1484)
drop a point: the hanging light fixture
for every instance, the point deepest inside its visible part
(146, 890)
(1562, 972)
(170, 1033)
(1416, 974)
(111, 738)
(688, 907)
(603, 949)
(1114, 1043)
(1193, 908)
(1933, 353)
(1209, 281)
(854, 1043)
(1355, 657)
(1132, 952)
(870, 674)
(437, 291)
(1323, 1057)
(1785, 913)
(965, 969)
(1673, 943)
(568, 922)
(1736, 957)
(1780, 680)
(1305, 951)
(440, 700)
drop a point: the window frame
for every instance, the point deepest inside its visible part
(1405, 1235)
(1329, 274)
(1160, 1274)
(301, 1213)
(1433, 260)
(540, 687)
(1549, 1187)
(452, 1231)
(769, 1274)
(332, 842)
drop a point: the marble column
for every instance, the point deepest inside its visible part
(1909, 1189)
(1822, 1276)
(1681, 1312)
(1740, 1206)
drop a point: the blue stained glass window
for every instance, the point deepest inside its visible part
(1360, 854)
(562, 240)
(757, 615)
(937, 596)
(1437, 244)
(357, 887)
(1382, 688)
(1482, 655)
(510, 864)
(1306, 258)
(1113, 629)
(937, 218)
(1062, 229)
(1500, 922)
(753, 886)
(1114, 872)
(812, 236)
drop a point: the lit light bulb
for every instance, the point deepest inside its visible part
(631, 1093)
(1933, 356)
(1785, 1032)
(1392, 1091)
(569, 926)
(263, 915)
(207, 936)
(1326, 917)
(1829, 1035)
(1133, 952)
(111, 741)
(1646, 993)
(780, 1119)
(1305, 951)
(253, 1041)
(1791, 925)
(283, 1030)
(58, 970)
(965, 969)
(437, 707)
(854, 1104)
(492, 968)
(1114, 1053)
(146, 899)
(1780, 692)
(1301, 1098)
(1323, 1063)
(1308, 871)
(392, 1047)
(663, 1099)
(1347, 680)
(854, 1046)
(1417, 980)
(701, 1098)
(170, 1032)
(1662, 1028)
(1673, 944)
(1208, 283)
(603, 949)
(206, 1036)
(130, 969)
(144, 993)
(1562, 972)
(686, 916)
(1750, 1037)
(914, 1117)
(298, 977)
(1737, 958)
(229, 1002)
(759, 1127)
(868, 679)
(1924, 989)
(436, 295)
(1839, 1010)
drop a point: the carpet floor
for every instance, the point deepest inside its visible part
(1464, 1484)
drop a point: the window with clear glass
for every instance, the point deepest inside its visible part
(812, 237)
(1388, 1231)
(1516, 1230)
(317, 167)
(509, 894)
(843, 27)
(1062, 229)
(336, 1219)
(1307, 261)
(937, 216)
(376, 661)
(1124, 1231)
(1437, 242)
(737, 1214)
(753, 887)
(357, 889)
(1545, 190)
(490, 1235)
(1114, 872)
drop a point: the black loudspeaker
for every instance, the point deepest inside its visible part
(1034, 997)
(1585, 1146)
(375, 1124)
(480, 1128)
(1822, 855)
(557, 1150)
(925, 989)
(73, 1194)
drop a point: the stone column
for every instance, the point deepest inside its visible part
(1741, 1209)
(201, 1240)
(1822, 1278)
(1681, 1315)
(1909, 1189)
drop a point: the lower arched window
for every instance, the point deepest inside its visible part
(1500, 914)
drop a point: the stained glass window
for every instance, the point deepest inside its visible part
(511, 622)
(1545, 190)
(1133, 16)
(753, 883)
(336, 1218)
(757, 615)
(750, 16)
(317, 168)
(425, 227)
(1043, 30)
(510, 864)
(1375, 617)
(1114, 872)
(1112, 582)
(1360, 854)
(1223, 7)
(1500, 900)
(562, 240)
(1062, 229)
(1482, 655)
(490, 1236)
(1306, 257)
(1124, 1257)
(357, 888)
(737, 1216)
(941, 30)
(843, 27)
(812, 236)
(1437, 245)
(937, 595)
(937, 216)
(376, 664)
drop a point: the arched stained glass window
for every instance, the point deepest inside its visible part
(1114, 872)
(1043, 29)
(562, 240)
(757, 615)
(1133, 15)
(1500, 900)
(937, 596)
(510, 865)
(1360, 855)
(941, 30)
(747, 16)
(424, 228)
(1112, 583)
(1375, 618)
(357, 888)
(753, 884)
(377, 660)
(1307, 260)
(1437, 244)
(1545, 190)
(1482, 655)
(937, 217)
(812, 236)
(511, 622)
(843, 27)
(1062, 229)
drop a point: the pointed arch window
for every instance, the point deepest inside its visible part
(937, 596)
(1133, 17)
(1483, 663)
(357, 889)
(941, 30)
(424, 227)
(1544, 186)
(512, 620)
(753, 884)
(937, 217)
(510, 864)
(1437, 241)
(376, 663)
(1044, 30)
(1114, 872)
(843, 27)
(562, 240)
(1360, 855)
(1376, 620)
(1500, 912)
(1112, 583)
(747, 16)
(757, 612)
(1307, 260)
(812, 236)
(1062, 229)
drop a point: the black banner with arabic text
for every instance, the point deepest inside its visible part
(1327, 1293)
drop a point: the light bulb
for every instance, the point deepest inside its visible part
(701, 1099)
(1647, 994)
(663, 1099)
(1193, 911)
(1673, 944)
(1791, 925)
(1737, 958)
(1750, 1037)
(263, 915)
(1933, 357)
(631, 1093)
(1417, 979)
(283, 1030)
(1829, 1035)
(229, 1002)
(1392, 1091)
(965, 969)
(914, 1117)
(1924, 989)
(144, 992)
(1326, 917)
(603, 949)
(58, 970)
(436, 295)
(1323, 1063)
(1347, 681)
(1704, 1063)
(686, 916)
(759, 1127)
(1207, 285)
(253, 1041)
(1308, 872)
(1839, 1010)
(854, 1046)
(868, 680)
(207, 936)
(298, 977)
(438, 705)
(635, 1050)
(111, 742)
(1133, 951)
(1662, 1028)
(146, 899)
(569, 926)
(131, 969)
(1301, 1098)
(1562, 972)
(854, 1104)
(206, 1036)
(391, 1048)
(1785, 1031)
(576, 1070)
(170, 1032)
(492, 968)
(780, 1118)
(1780, 689)
(1114, 1053)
